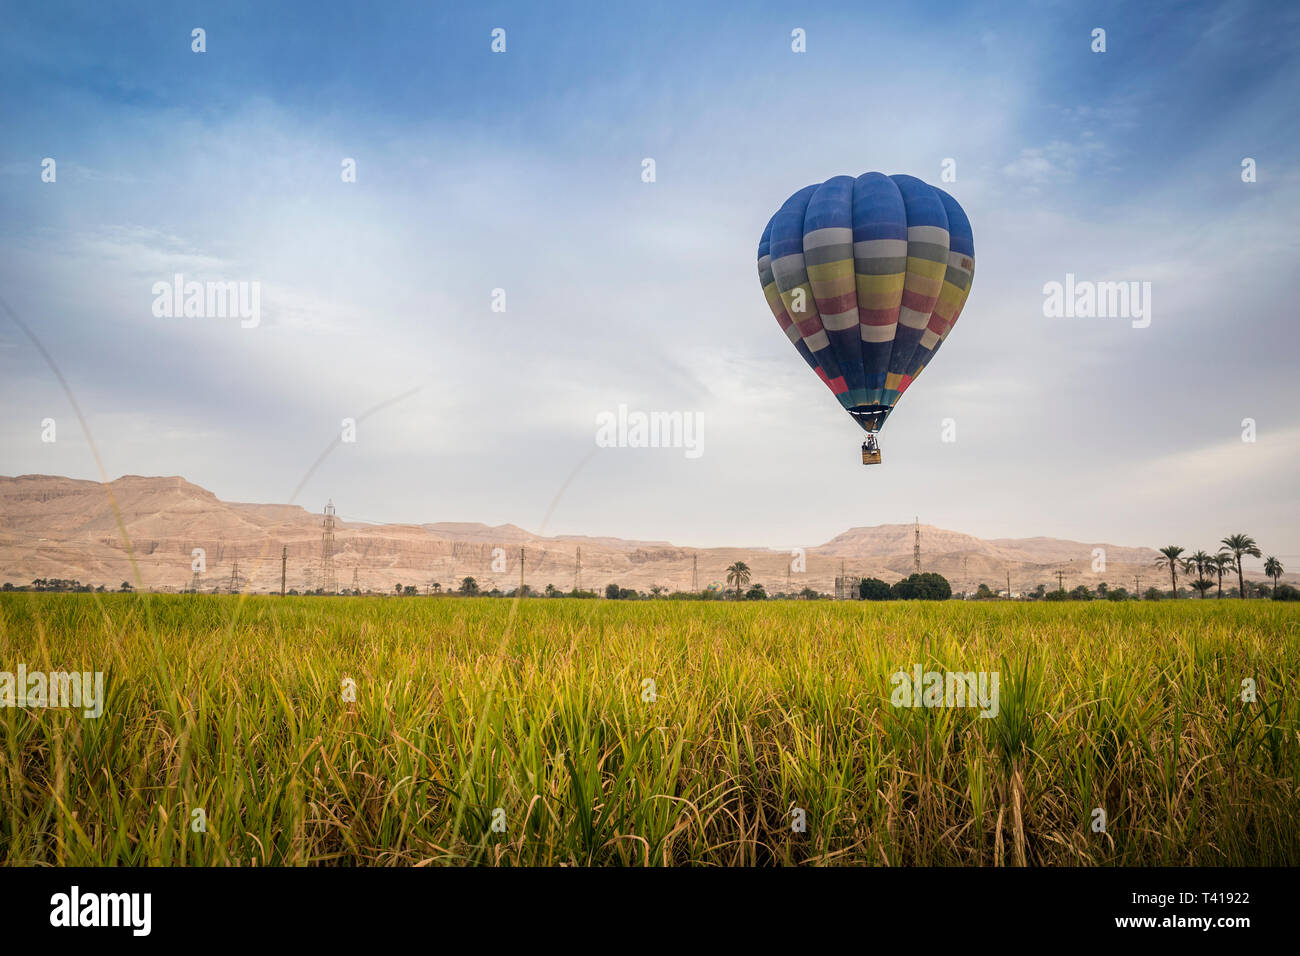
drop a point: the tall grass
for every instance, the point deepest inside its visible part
(464, 706)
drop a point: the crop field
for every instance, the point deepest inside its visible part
(262, 731)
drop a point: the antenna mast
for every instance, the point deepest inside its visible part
(916, 548)
(328, 583)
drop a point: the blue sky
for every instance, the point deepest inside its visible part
(522, 171)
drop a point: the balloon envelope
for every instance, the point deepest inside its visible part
(867, 277)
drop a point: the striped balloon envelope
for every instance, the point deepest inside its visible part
(867, 277)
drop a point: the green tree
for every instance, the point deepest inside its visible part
(1201, 585)
(738, 576)
(927, 586)
(1240, 545)
(874, 589)
(756, 593)
(983, 591)
(468, 586)
(1169, 556)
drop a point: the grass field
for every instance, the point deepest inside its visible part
(539, 708)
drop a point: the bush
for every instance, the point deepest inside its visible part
(923, 587)
(1286, 592)
(1152, 594)
(874, 589)
(1057, 595)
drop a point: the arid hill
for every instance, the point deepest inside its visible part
(52, 527)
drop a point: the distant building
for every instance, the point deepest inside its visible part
(847, 588)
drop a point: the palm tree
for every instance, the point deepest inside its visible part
(1169, 556)
(1222, 562)
(1200, 585)
(1200, 563)
(1240, 545)
(1273, 568)
(738, 575)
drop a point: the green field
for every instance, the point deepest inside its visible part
(235, 706)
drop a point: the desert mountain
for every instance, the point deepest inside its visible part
(52, 527)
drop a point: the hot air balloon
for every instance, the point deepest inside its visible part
(867, 277)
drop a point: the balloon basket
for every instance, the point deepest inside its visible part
(871, 457)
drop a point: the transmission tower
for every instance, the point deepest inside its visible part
(235, 578)
(356, 584)
(327, 581)
(916, 548)
(284, 566)
(577, 572)
(695, 572)
(1060, 580)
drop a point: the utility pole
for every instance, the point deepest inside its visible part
(916, 548)
(1060, 580)
(284, 565)
(521, 571)
(695, 572)
(1137, 585)
(577, 572)
(1008, 584)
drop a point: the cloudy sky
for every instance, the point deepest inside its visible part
(522, 171)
